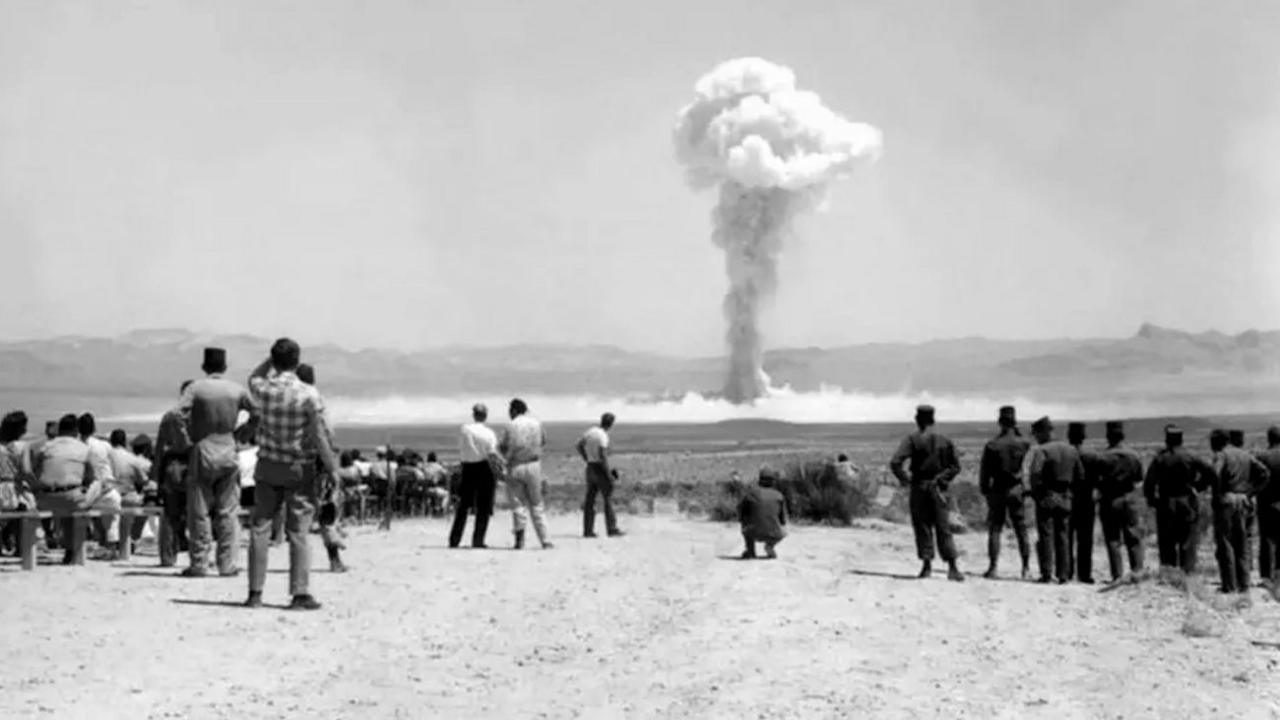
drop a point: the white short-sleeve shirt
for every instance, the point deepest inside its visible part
(478, 442)
(595, 442)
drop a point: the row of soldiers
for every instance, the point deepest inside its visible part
(1071, 487)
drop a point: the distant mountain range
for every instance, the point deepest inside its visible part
(1154, 362)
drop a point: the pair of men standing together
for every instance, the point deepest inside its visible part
(517, 457)
(294, 439)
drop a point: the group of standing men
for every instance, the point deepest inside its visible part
(198, 467)
(1071, 486)
(517, 459)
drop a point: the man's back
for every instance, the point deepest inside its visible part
(213, 406)
(523, 440)
(435, 473)
(1056, 468)
(63, 463)
(595, 442)
(928, 455)
(1120, 471)
(289, 409)
(477, 442)
(128, 470)
(762, 513)
(100, 457)
(1238, 472)
(1002, 462)
(1176, 472)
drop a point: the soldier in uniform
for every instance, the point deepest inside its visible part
(1173, 485)
(1269, 509)
(1239, 478)
(999, 479)
(931, 465)
(1054, 469)
(1119, 479)
(210, 409)
(762, 513)
(1084, 509)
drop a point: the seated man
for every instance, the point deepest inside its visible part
(66, 480)
(129, 478)
(762, 513)
(437, 484)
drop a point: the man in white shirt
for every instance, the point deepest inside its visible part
(478, 449)
(522, 445)
(100, 458)
(594, 450)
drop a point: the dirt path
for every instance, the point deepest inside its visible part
(654, 625)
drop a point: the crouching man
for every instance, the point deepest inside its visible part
(762, 513)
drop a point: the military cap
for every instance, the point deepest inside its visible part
(1115, 426)
(1008, 415)
(215, 357)
(1236, 437)
(924, 411)
(1218, 435)
(1075, 430)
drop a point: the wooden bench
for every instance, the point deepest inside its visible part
(29, 519)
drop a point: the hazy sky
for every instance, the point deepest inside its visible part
(430, 173)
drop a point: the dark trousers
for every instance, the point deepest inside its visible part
(599, 483)
(292, 485)
(1080, 545)
(1009, 505)
(1231, 539)
(749, 544)
(1176, 531)
(173, 496)
(1269, 539)
(930, 518)
(1120, 525)
(1053, 525)
(475, 492)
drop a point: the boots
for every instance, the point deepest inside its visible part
(990, 574)
(588, 522)
(519, 540)
(953, 572)
(926, 569)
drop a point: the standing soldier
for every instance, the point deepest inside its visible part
(1236, 438)
(1173, 485)
(1084, 510)
(593, 447)
(169, 472)
(1269, 509)
(999, 479)
(1053, 471)
(1120, 476)
(1240, 476)
(932, 466)
(210, 409)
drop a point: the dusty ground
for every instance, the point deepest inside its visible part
(655, 625)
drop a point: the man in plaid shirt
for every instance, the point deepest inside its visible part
(291, 437)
